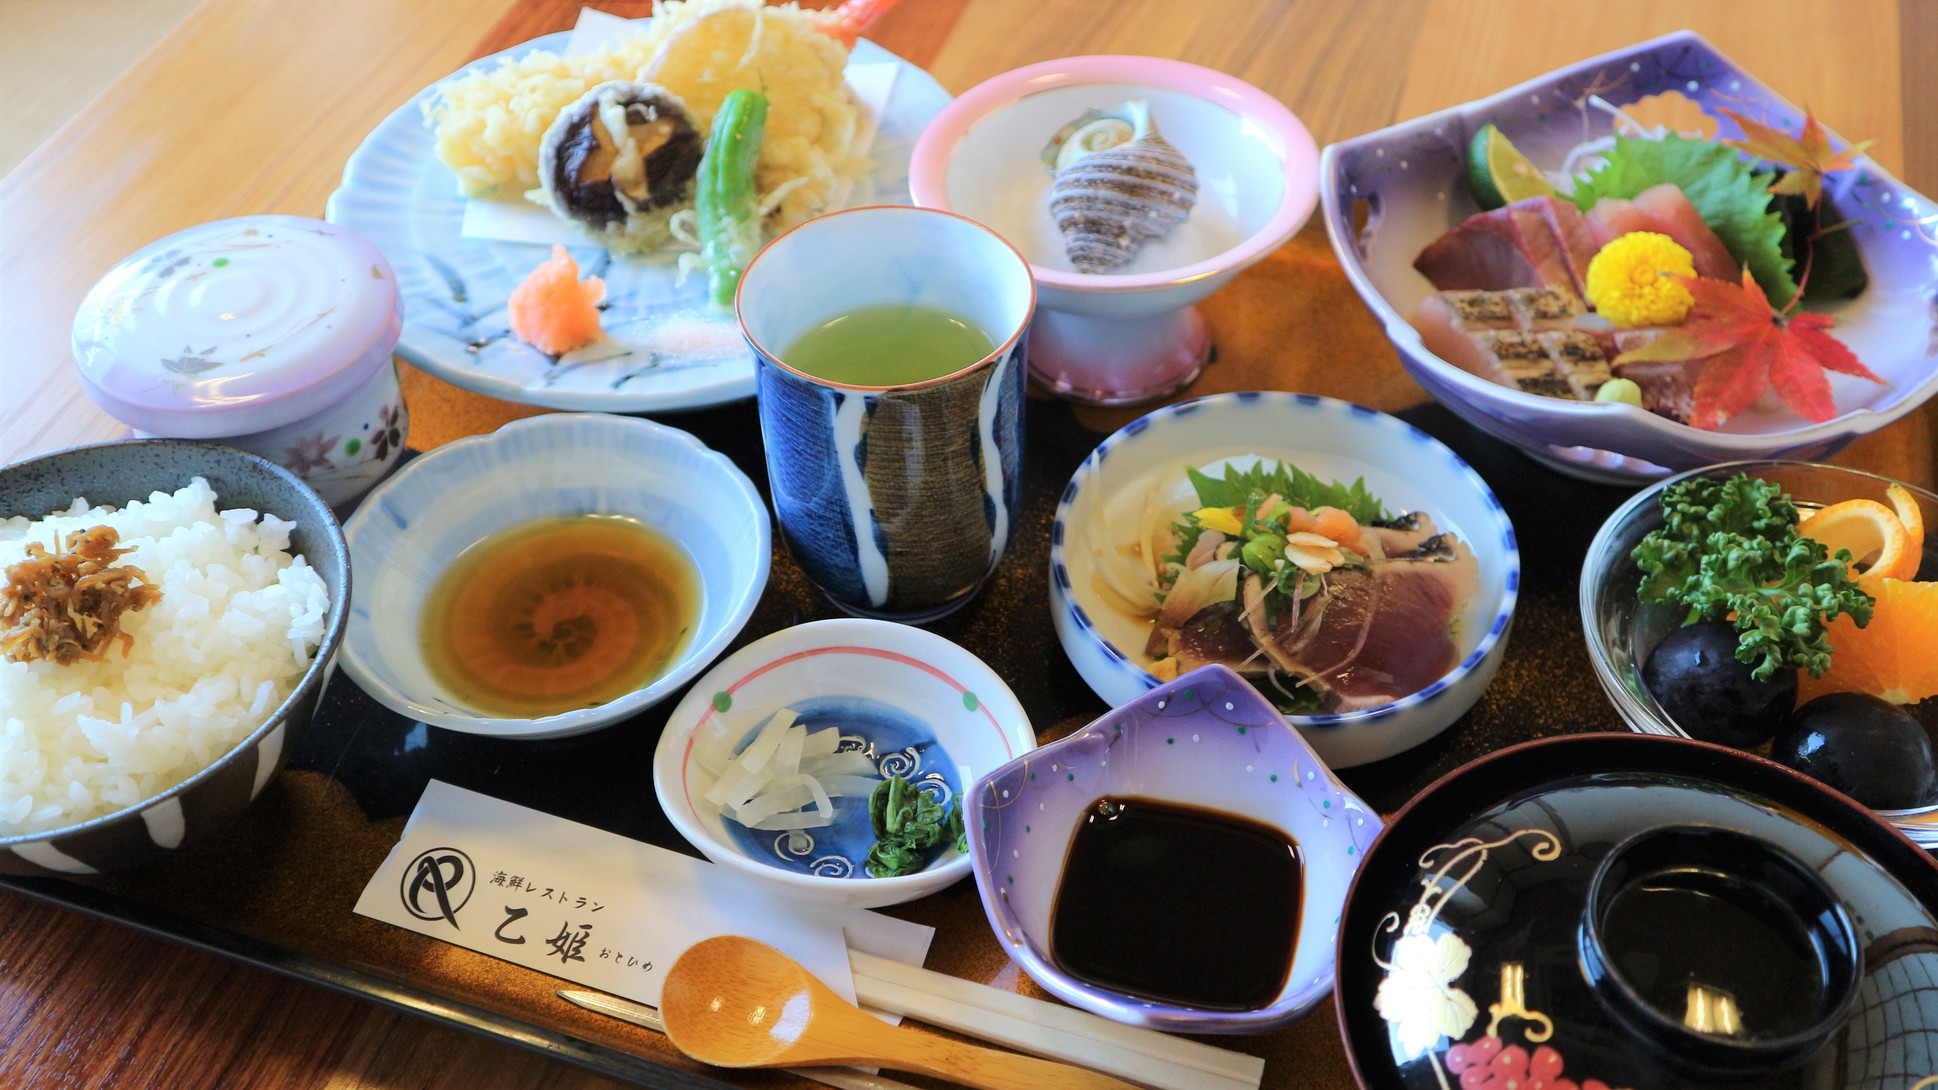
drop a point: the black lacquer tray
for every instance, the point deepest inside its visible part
(275, 889)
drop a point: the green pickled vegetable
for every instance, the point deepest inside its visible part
(907, 822)
(726, 205)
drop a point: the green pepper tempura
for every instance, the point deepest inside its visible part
(726, 204)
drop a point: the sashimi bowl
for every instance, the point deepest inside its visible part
(1126, 333)
(772, 763)
(1391, 194)
(1209, 745)
(150, 746)
(1396, 630)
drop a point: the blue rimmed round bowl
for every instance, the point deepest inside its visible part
(408, 531)
(1407, 469)
(1207, 741)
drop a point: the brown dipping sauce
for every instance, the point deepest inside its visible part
(559, 614)
(1179, 905)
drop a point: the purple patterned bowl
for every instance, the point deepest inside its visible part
(1409, 182)
(1207, 740)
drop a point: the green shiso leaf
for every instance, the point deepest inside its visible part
(1260, 542)
(1248, 488)
(1732, 198)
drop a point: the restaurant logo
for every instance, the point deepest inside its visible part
(437, 884)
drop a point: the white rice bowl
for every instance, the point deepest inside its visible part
(238, 622)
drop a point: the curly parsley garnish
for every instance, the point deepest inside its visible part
(1731, 548)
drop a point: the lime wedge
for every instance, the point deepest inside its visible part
(1499, 174)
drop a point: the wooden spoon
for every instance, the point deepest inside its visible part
(734, 1002)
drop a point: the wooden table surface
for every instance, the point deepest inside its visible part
(253, 106)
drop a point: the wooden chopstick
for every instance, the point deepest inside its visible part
(639, 1014)
(1050, 1030)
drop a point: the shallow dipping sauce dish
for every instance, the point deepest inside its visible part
(1206, 743)
(412, 528)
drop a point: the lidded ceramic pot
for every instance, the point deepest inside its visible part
(269, 333)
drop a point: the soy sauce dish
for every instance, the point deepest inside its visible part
(1178, 864)
(558, 575)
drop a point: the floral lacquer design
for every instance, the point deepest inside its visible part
(1418, 997)
(1422, 1005)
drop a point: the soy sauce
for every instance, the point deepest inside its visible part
(1178, 904)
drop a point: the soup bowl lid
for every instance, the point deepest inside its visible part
(1461, 951)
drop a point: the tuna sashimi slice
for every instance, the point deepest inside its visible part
(1215, 634)
(1539, 242)
(1409, 644)
(1665, 210)
(1577, 243)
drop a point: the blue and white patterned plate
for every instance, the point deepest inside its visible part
(397, 194)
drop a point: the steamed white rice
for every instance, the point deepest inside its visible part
(237, 624)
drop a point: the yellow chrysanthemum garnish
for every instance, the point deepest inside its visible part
(1632, 280)
(1222, 519)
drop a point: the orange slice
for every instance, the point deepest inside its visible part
(1913, 518)
(1881, 545)
(1894, 657)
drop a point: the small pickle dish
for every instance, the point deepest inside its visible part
(781, 760)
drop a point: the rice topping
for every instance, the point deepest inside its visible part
(67, 605)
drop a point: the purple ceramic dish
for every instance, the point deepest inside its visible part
(1409, 184)
(1207, 740)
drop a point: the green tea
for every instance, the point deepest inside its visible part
(891, 344)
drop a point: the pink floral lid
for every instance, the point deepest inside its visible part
(236, 326)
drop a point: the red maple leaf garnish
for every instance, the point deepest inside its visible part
(1808, 155)
(1748, 347)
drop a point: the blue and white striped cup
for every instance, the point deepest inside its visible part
(896, 500)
